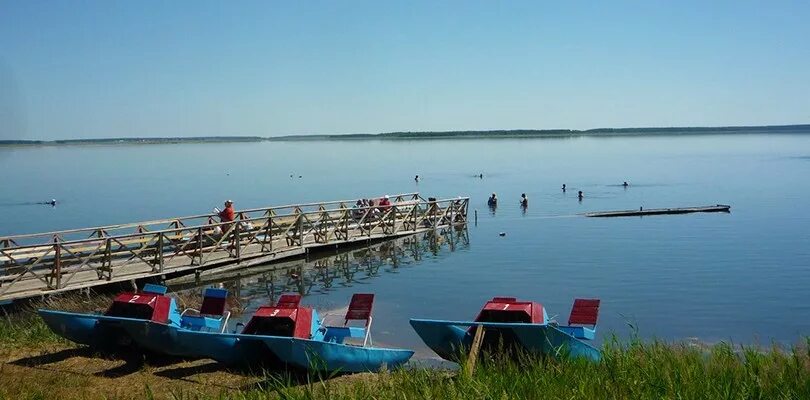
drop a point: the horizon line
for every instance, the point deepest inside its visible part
(423, 134)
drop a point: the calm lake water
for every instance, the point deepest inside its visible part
(742, 276)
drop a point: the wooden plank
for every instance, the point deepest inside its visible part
(660, 211)
(478, 339)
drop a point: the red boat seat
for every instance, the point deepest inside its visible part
(288, 301)
(584, 312)
(214, 302)
(360, 308)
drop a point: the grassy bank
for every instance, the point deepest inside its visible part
(39, 365)
(652, 370)
(22, 328)
(637, 371)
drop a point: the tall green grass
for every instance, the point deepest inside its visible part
(22, 328)
(637, 370)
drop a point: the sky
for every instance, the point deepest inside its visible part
(94, 69)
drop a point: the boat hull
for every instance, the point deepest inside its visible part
(94, 330)
(289, 353)
(449, 339)
(163, 339)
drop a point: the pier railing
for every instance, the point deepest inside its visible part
(70, 259)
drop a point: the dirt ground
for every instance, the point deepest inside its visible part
(75, 372)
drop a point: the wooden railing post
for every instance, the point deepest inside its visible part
(57, 262)
(200, 246)
(237, 241)
(159, 253)
(301, 229)
(4, 244)
(269, 234)
(106, 261)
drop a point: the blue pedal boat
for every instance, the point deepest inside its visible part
(291, 336)
(509, 324)
(110, 331)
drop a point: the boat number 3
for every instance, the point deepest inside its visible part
(275, 312)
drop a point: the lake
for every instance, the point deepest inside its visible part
(742, 276)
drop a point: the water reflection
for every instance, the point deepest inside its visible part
(321, 273)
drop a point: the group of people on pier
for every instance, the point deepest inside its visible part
(374, 208)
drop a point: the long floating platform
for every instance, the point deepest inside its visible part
(660, 211)
(45, 263)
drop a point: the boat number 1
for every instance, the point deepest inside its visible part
(505, 306)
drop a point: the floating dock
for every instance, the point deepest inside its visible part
(53, 262)
(660, 211)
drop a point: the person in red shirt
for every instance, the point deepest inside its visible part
(385, 203)
(227, 215)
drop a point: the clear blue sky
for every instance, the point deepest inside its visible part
(87, 69)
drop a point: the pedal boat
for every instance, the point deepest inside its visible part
(512, 324)
(111, 330)
(292, 337)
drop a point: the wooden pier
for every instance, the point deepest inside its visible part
(660, 211)
(52, 262)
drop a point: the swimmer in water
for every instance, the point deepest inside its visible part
(580, 195)
(524, 201)
(563, 188)
(625, 184)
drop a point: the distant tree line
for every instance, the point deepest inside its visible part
(514, 133)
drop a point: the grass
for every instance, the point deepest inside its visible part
(634, 370)
(23, 328)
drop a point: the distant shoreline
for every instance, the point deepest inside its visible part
(489, 134)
